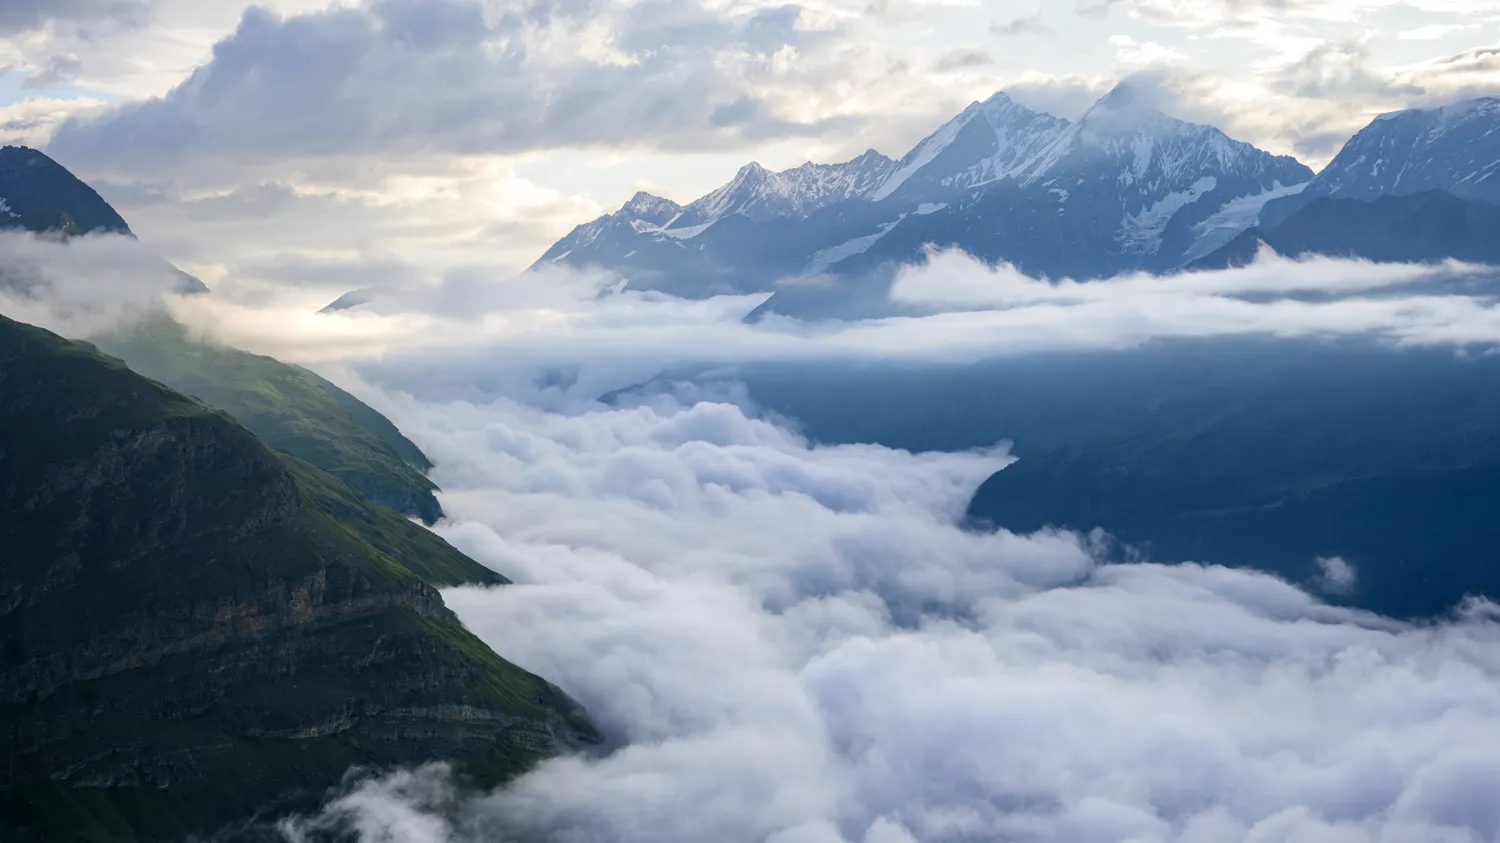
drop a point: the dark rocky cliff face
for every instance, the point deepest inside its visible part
(188, 638)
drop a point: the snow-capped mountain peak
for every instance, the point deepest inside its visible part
(644, 213)
(1162, 176)
(1126, 187)
(986, 141)
(1122, 111)
(751, 172)
(1454, 148)
(1121, 97)
(652, 209)
(1138, 144)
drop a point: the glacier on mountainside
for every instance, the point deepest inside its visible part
(848, 249)
(1236, 216)
(1140, 234)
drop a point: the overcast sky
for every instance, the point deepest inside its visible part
(308, 147)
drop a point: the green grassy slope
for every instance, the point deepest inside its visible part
(288, 408)
(193, 629)
(418, 550)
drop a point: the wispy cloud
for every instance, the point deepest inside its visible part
(1026, 25)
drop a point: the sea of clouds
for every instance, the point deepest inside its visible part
(794, 643)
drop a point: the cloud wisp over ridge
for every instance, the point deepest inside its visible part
(560, 337)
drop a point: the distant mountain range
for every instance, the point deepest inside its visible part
(1125, 188)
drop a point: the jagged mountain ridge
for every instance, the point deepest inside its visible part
(1125, 188)
(760, 194)
(658, 244)
(1454, 148)
(987, 141)
(1127, 181)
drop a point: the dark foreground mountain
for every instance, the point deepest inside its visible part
(288, 408)
(1257, 453)
(194, 630)
(1423, 227)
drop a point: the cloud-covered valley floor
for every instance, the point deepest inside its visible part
(795, 643)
